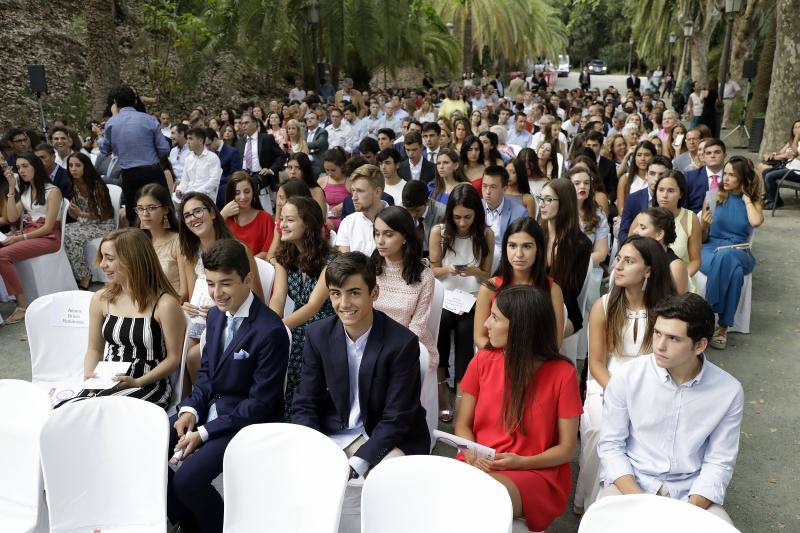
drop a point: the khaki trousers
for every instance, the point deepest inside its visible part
(353, 447)
(716, 510)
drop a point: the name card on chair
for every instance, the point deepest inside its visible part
(71, 317)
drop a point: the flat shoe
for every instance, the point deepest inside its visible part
(720, 342)
(17, 316)
(446, 416)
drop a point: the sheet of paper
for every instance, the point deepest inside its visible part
(3, 237)
(462, 444)
(458, 302)
(61, 391)
(105, 371)
(73, 316)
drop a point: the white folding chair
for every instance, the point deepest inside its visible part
(405, 494)
(176, 378)
(430, 392)
(24, 408)
(437, 304)
(266, 273)
(332, 238)
(48, 273)
(91, 247)
(57, 326)
(647, 512)
(104, 462)
(272, 472)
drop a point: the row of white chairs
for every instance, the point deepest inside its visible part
(79, 468)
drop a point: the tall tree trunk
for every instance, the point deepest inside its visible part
(468, 45)
(764, 75)
(745, 35)
(784, 92)
(701, 39)
(102, 57)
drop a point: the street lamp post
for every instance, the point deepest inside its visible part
(732, 8)
(630, 54)
(313, 22)
(688, 30)
(672, 39)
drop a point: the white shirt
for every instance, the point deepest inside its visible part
(395, 122)
(709, 176)
(297, 94)
(355, 422)
(416, 170)
(538, 138)
(201, 173)
(493, 220)
(177, 158)
(396, 191)
(730, 89)
(356, 233)
(240, 314)
(166, 131)
(432, 155)
(62, 162)
(683, 437)
(338, 136)
(357, 133)
(372, 125)
(255, 164)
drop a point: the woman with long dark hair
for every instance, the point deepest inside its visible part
(568, 250)
(245, 216)
(593, 221)
(728, 223)
(449, 173)
(92, 210)
(618, 331)
(299, 167)
(473, 161)
(300, 261)
(527, 164)
(521, 399)
(156, 214)
(658, 223)
(461, 250)
(36, 202)
(519, 190)
(636, 177)
(522, 262)
(334, 183)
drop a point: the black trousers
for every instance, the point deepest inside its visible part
(461, 326)
(134, 179)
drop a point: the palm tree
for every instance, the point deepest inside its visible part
(511, 29)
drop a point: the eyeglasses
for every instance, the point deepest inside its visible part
(546, 200)
(140, 209)
(194, 213)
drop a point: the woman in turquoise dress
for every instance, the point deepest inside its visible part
(729, 221)
(300, 262)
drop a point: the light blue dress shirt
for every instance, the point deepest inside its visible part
(135, 137)
(684, 437)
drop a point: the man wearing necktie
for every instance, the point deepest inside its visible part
(240, 383)
(708, 177)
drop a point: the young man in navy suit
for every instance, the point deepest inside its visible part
(499, 211)
(642, 200)
(361, 373)
(415, 167)
(707, 177)
(240, 383)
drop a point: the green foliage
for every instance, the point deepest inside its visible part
(616, 56)
(593, 27)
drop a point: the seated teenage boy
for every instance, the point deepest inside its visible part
(361, 376)
(240, 382)
(671, 419)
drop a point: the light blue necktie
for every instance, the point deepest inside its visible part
(230, 332)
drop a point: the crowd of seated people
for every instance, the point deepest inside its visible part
(363, 211)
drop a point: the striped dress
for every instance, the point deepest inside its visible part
(137, 340)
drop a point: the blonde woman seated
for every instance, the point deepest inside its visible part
(618, 332)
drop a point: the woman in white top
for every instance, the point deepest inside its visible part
(618, 332)
(426, 113)
(694, 105)
(461, 252)
(671, 192)
(636, 178)
(36, 203)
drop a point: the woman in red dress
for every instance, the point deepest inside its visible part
(521, 398)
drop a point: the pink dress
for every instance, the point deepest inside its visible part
(335, 193)
(409, 305)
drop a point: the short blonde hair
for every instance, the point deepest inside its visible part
(370, 173)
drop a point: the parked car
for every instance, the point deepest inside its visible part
(598, 66)
(563, 66)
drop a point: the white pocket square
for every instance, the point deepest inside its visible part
(241, 354)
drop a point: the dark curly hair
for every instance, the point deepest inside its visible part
(315, 248)
(399, 220)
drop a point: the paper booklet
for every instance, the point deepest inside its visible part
(462, 445)
(105, 371)
(458, 301)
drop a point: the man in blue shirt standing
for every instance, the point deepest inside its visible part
(137, 141)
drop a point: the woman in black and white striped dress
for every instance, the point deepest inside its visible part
(136, 318)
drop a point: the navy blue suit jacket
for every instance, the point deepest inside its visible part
(62, 181)
(247, 390)
(389, 386)
(697, 185)
(231, 160)
(634, 204)
(426, 175)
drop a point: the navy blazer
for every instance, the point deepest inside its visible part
(608, 173)
(270, 156)
(62, 181)
(389, 386)
(634, 204)
(426, 175)
(248, 390)
(231, 160)
(697, 187)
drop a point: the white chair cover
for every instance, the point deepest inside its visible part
(176, 378)
(283, 477)
(332, 238)
(430, 391)
(104, 462)
(741, 320)
(90, 247)
(266, 273)
(635, 513)
(24, 407)
(406, 494)
(58, 332)
(48, 273)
